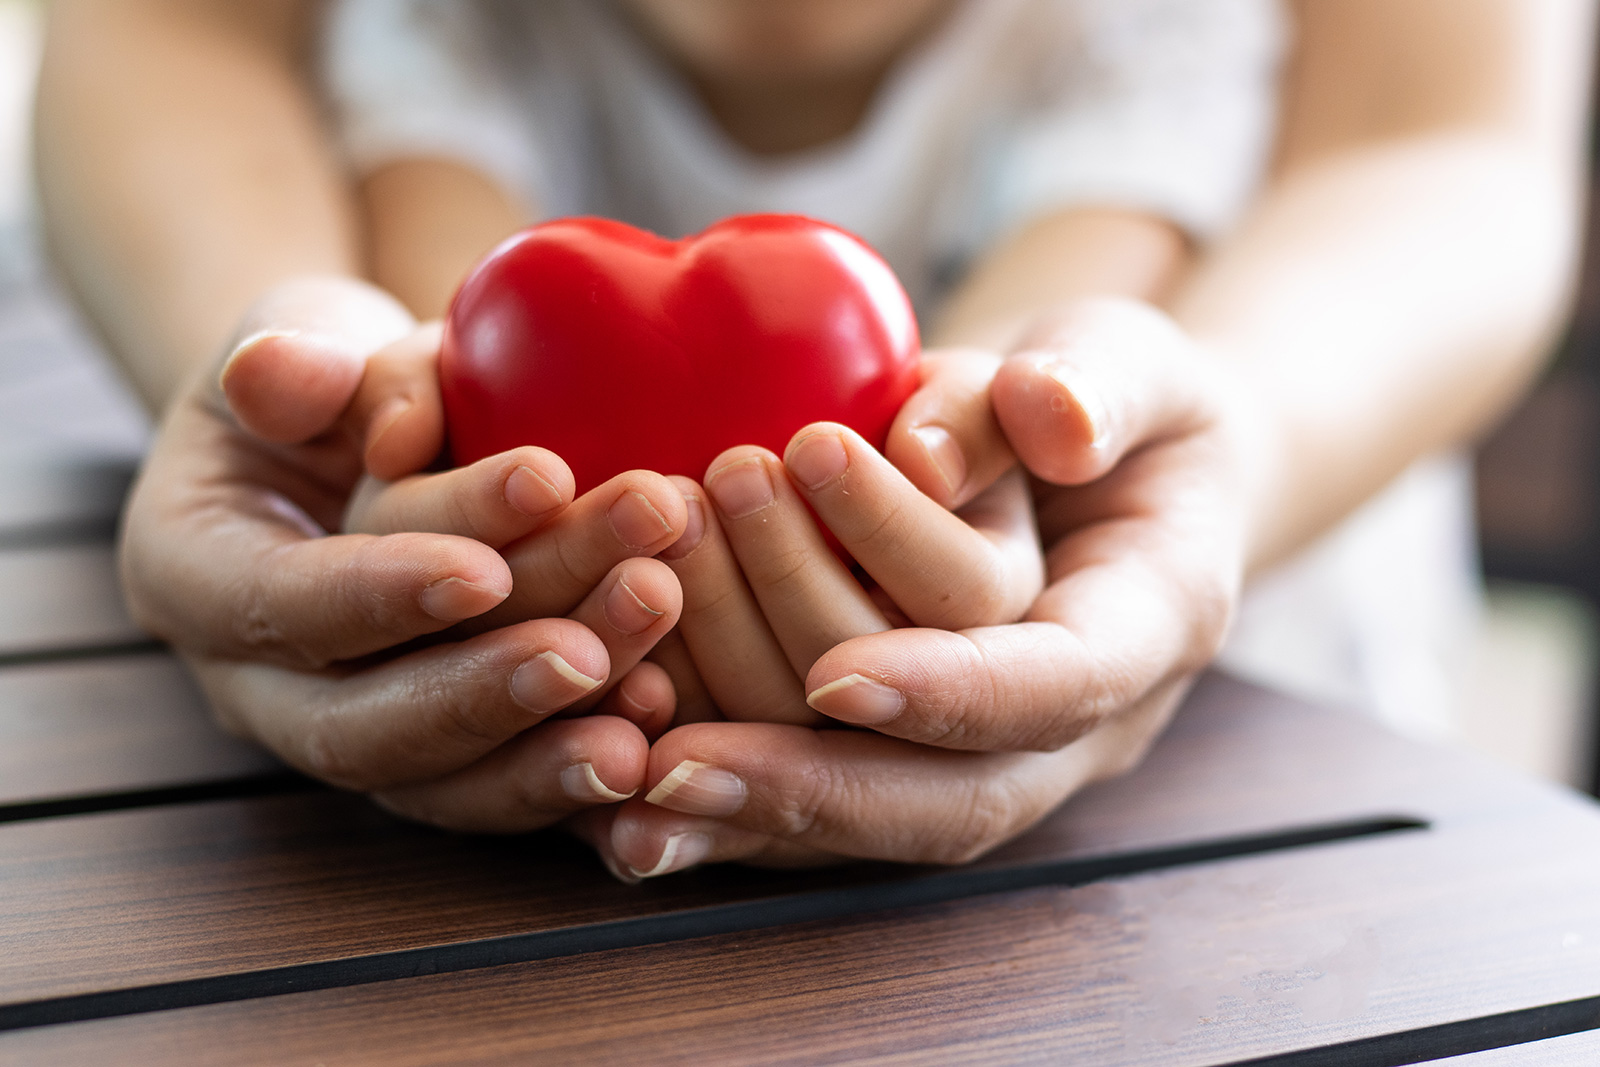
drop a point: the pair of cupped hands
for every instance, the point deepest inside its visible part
(686, 672)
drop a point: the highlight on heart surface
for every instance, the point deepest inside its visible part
(619, 350)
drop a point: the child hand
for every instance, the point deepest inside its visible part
(977, 734)
(765, 598)
(226, 555)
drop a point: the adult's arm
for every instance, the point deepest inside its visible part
(1398, 281)
(1401, 278)
(183, 171)
(194, 204)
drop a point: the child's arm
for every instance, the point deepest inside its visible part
(1397, 282)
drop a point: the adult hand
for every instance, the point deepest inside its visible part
(1146, 457)
(306, 639)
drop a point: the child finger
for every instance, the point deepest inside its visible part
(645, 697)
(693, 701)
(495, 500)
(946, 438)
(541, 777)
(629, 611)
(637, 513)
(397, 414)
(301, 353)
(937, 568)
(1108, 377)
(416, 717)
(738, 658)
(806, 595)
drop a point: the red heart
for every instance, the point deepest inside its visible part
(617, 349)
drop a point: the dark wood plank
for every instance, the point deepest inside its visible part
(1192, 968)
(111, 725)
(65, 498)
(61, 597)
(128, 898)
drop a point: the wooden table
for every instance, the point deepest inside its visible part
(1276, 884)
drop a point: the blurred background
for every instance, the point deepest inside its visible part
(1529, 687)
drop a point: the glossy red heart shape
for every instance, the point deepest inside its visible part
(618, 349)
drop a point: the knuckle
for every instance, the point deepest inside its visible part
(458, 715)
(984, 599)
(707, 602)
(1099, 693)
(571, 569)
(954, 714)
(458, 516)
(528, 806)
(887, 532)
(256, 629)
(786, 568)
(799, 806)
(352, 594)
(990, 817)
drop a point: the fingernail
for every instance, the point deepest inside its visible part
(626, 613)
(818, 459)
(249, 343)
(858, 700)
(528, 491)
(547, 681)
(693, 530)
(454, 599)
(1091, 409)
(384, 418)
(682, 850)
(741, 489)
(699, 789)
(581, 783)
(944, 453)
(636, 522)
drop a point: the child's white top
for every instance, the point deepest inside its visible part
(1012, 110)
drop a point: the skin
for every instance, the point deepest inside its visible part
(1427, 174)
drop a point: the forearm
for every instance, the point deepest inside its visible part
(1381, 304)
(183, 171)
(1077, 253)
(1406, 269)
(428, 222)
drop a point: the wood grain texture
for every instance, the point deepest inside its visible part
(60, 597)
(1204, 966)
(1573, 1050)
(135, 897)
(110, 725)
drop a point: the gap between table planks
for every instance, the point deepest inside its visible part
(207, 889)
(1264, 955)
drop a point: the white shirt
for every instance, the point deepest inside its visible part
(1012, 110)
